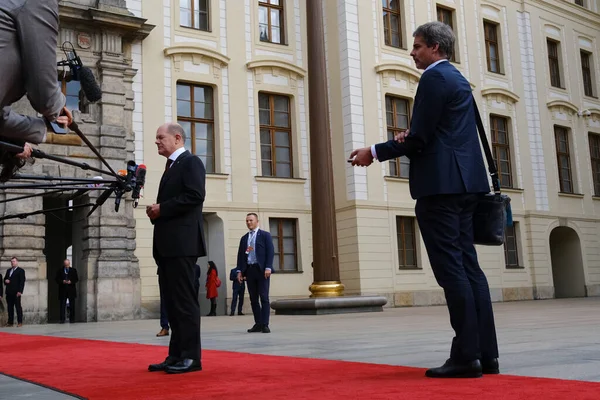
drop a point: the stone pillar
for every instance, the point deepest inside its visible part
(327, 290)
(117, 279)
(326, 267)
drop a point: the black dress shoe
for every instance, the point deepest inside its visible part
(490, 366)
(231, 314)
(265, 329)
(255, 328)
(183, 366)
(241, 313)
(163, 365)
(453, 369)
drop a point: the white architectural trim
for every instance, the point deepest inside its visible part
(352, 95)
(305, 162)
(380, 112)
(226, 99)
(251, 108)
(540, 182)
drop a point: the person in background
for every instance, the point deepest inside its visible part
(255, 263)
(15, 284)
(238, 290)
(212, 283)
(66, 279)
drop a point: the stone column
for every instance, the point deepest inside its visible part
(326, 267)
(112, 233)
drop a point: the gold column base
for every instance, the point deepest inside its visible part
(326, 289)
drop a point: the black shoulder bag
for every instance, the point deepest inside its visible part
(493, 213)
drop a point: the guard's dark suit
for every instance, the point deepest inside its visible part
(178, 242)
(67, 291)
(17, 285)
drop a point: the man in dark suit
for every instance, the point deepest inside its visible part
(238, 290)
(178, 242)
(66, 278)
(14, 279)
(1, 293)
(447, 177)
(164, 319)
(197, 273)
(255, 262)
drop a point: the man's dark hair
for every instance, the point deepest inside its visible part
(255, 214)
(9, 162)
(14, 258)
(437, 33)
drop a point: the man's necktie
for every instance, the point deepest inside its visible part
(169, 162)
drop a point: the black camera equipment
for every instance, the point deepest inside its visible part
(118, 184)
(131, 181)
(80, 73)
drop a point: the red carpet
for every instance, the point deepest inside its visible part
(107, 370)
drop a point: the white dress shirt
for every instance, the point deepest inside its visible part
(176, 154)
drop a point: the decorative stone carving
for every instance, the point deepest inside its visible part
(407, 77)
(499, 98)
(593, 120)
(180, 53)
(562, 110)
(280, 72)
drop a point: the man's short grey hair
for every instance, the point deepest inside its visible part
(437, 33)
(176, 129)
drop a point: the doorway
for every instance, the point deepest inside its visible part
(64, 239)
(567, 263)
(214, 236)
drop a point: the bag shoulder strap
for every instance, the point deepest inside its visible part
(486, 148)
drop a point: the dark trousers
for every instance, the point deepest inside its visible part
(164, 319)
(258, 288)
(238, 297)
(176, 275)
(12, 301)
(63, 306)
(446, 225)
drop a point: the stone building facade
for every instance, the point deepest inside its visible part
(243, 64)
(105, 35)
(234, 73)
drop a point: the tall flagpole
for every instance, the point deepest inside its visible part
(326, 268)
(327, 291)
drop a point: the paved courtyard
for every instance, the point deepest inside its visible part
(549, 338)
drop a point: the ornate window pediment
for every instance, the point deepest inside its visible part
(562, 109)
(198, 56)
(500, 94)
(501, 98)
(276, 71)
(399, 75)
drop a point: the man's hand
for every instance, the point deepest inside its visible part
(267, 273)
(18, 294)
(362, 157)
(64, 281)
(26, 153)
(399, 137)
(153, 211)
(239, 277)
(7, 281)
(68, 282)
(66, 118)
